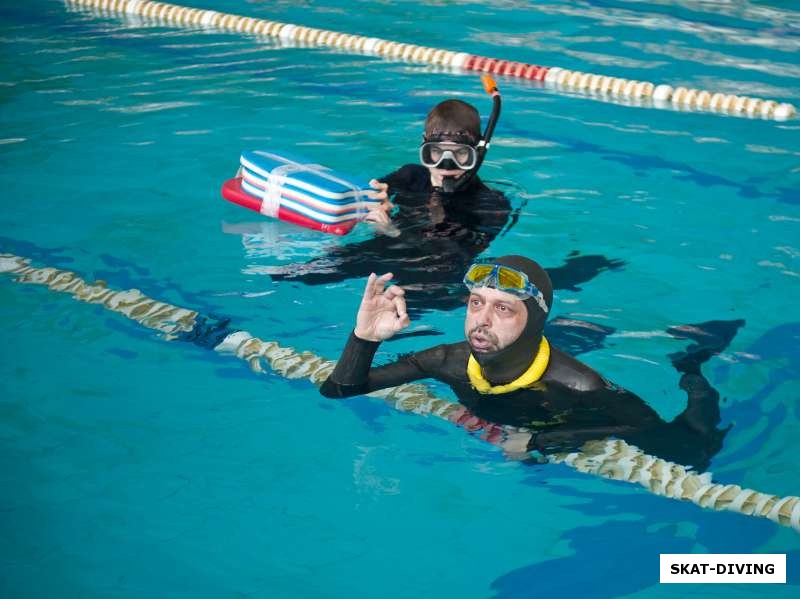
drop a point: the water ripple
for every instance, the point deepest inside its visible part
(717, 58)
(151, 107)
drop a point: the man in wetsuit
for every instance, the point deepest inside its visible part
(506, 371)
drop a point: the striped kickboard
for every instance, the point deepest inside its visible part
(298, 191)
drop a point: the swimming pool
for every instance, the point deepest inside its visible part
(134, 466)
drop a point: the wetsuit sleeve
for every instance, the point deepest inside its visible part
(399, 178)
(353, 374)
(409, 178)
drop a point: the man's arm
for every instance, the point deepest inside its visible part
(382, 313)
(571, 439)
(609, 411)
(354, 375)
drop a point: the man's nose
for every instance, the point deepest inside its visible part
(484, 316)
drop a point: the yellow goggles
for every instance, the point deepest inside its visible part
(503, 278)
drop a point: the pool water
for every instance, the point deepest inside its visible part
(132, 466)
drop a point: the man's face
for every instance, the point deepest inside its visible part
(494, 319)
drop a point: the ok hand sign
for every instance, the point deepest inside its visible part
(383, 311)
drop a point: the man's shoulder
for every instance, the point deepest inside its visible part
(445, 352)
(572, 373)
(446, 362)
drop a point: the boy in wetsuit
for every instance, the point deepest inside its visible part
(445, 218)
(506, 371)
(445, 215)
(452, 149)
(450, 155)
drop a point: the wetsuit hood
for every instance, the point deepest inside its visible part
(505, 365)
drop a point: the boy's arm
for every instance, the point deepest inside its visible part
(408, 178)
(396, 178)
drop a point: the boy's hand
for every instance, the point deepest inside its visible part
(382, 312)
(383, 191)
(379, 215)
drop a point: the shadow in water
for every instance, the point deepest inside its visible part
(621, 556)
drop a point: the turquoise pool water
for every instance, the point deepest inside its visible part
(136, 467)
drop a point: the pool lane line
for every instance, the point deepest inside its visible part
(608, 458)
(643, 93)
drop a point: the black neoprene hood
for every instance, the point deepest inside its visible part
(505, 365)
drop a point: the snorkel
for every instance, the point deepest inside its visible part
(451, 184)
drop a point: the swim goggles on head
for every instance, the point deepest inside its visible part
(434, 153)
(504, 278)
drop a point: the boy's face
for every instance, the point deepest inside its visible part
(438, 173)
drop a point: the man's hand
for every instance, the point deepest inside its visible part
(382, 312)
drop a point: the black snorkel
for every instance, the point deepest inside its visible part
(452, 184)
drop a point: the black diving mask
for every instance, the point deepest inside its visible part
(448, 155)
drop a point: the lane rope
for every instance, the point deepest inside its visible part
(642, 93)
(609, 458)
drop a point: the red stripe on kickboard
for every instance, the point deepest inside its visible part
(233, 192)
(318, 205)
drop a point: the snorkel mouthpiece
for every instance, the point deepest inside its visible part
(449, 184)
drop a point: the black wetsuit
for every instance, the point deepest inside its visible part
(571, 404)
(440, 236)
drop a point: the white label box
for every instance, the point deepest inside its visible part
(723, 567)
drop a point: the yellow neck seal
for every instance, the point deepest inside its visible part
(526, 379)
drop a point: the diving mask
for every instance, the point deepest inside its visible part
(448, 155)
(471, 156)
